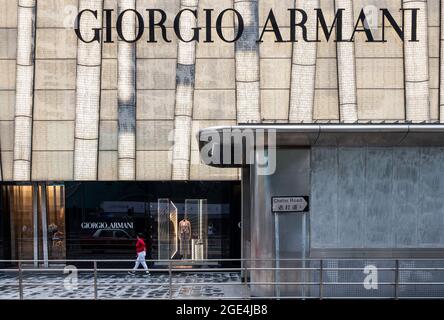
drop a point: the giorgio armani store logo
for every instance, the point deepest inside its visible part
(296, 144)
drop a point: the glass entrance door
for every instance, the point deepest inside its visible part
(37, 218)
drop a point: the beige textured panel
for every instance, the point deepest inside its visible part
(7, 103)
(8, 13)
(47, 165)
(347, 65)
(270, 79)
(7, 79)
(108, 165)
(269, 48)
(434, 12)
(326, 104)
(155, 104)
(393, 48)
(154, 135)
(108, 105)
(434, 73)
(54, 104)
(326, 74)
(161, 49)
(381, 104)
(156, 73)
(109, 74)
(214, 104)
(218, 6)
(217, 49)
(171, 7)
(434, 104)
(329, 10)
(8, 43)
(53, 136)
(326, 49)
(274, 104)
(207, 68)
(392, 5)
(108, 135)
(24, 90)
(6, 135)
(199, 171)
(56, 43)
(303, 69)
(434, 42)
(279, 8)
(7, 165)
(380, 73)
(55, 74)
(434, 61)
(109, 50)
(153, 165)
(57, 13)
(416, 65)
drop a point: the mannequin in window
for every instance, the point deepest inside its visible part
(185, 237)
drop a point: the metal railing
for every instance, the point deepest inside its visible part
(244, 279)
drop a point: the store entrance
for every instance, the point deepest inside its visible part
(36, 215)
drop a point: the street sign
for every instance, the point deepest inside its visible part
(290, 204)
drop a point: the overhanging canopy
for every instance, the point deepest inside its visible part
(334, 135)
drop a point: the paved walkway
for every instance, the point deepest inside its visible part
(120, 285)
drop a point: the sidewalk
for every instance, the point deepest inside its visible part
(122, 286)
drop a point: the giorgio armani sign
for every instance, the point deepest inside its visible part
(151, 19)
(107, 225)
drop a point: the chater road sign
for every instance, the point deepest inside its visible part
(290, 204)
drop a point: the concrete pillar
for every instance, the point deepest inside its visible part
(126, 92)
(348, 103)
(247, 64)
(89, 65)
(303, 70)
(441, 84)
(24, 99)
(416, 62)
(185, 76)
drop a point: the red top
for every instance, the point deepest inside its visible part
(140, 245)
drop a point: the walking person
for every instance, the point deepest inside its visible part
(141, 254)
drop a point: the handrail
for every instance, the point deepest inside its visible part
(317, 277)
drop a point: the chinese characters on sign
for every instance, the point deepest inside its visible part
(290, 204)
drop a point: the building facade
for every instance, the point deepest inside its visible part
(103, 133)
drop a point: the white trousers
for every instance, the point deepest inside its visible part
(141, 260)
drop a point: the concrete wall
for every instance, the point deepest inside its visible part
(377, 198)
(219, 96)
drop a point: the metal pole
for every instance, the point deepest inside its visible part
(397, 280)
(35, 215)
(277, 246)
(20, 280)
(321, 280)
(245, 277)
(43, 202)
(170, 280)
(95, 281)
(304, 265)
